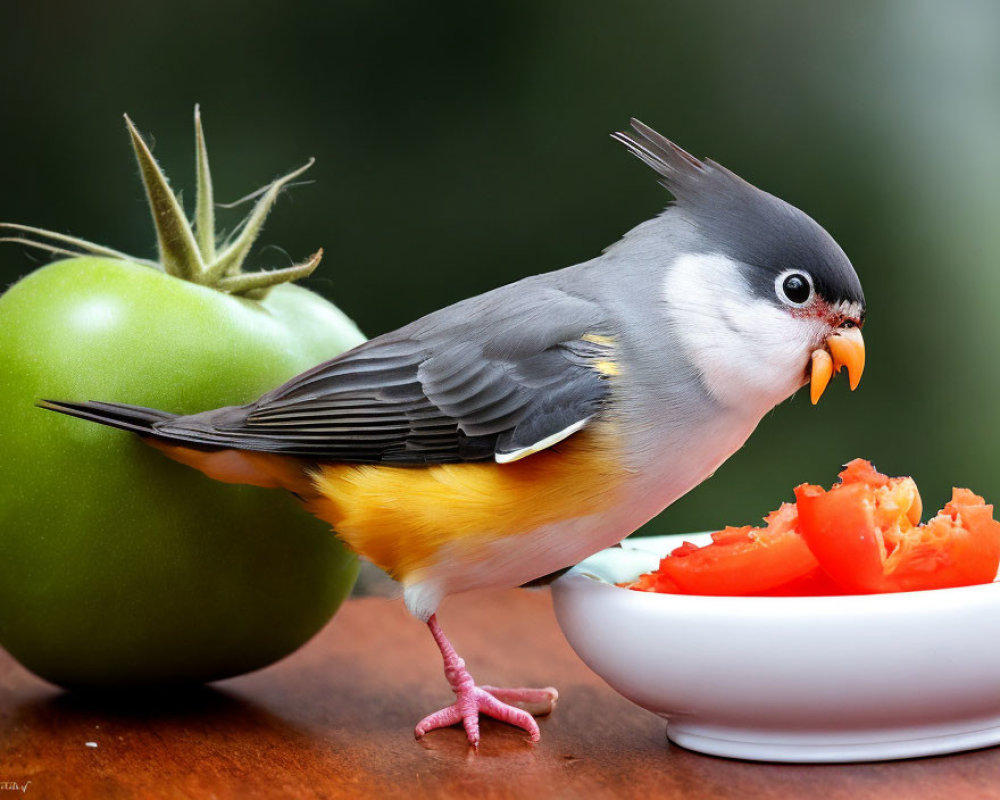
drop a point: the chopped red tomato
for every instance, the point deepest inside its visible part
(739, 561)
(811, 584)
(862, 536)
(867, 536)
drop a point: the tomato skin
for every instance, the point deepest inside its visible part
(117, 565)
(741, 561)
(840, 531)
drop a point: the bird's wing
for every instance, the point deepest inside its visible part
(450, 388)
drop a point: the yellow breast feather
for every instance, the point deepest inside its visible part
(400, 517)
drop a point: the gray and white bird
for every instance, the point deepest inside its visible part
(515, 433)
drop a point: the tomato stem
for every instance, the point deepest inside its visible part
(187, 251)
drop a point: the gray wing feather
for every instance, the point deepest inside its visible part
(488, 376)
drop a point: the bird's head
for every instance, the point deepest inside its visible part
(761, 297)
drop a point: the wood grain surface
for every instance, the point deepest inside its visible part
(336, 719)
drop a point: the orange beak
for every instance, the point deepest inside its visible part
(844, 348)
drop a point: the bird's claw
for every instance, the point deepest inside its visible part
(471, 701)
(537, 702)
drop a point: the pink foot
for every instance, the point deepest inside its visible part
(472, 700)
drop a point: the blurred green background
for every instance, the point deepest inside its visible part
(461, 146)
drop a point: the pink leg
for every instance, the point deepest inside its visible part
(471, 700)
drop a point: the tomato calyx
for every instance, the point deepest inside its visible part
(188, 252)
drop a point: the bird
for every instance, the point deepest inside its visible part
(512, 434)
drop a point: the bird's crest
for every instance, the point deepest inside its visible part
(690, 180)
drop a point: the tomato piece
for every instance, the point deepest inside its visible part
(904, 490)
(813, 584)
(862, 536)
(866, 535)
(652, 582)
(861, 471)
(739, 561)
(842, 534)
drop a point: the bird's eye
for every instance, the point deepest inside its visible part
(795, 288)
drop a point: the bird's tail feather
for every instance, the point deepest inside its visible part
(118, 415)
(149, 422)
(191, 441)
(196, 431)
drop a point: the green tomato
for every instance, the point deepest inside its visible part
(117, 565)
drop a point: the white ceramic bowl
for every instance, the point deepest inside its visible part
(806, 679)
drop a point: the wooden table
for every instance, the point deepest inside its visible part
(336, 719)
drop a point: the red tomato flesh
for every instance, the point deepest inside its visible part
(739, 561)
(862, 536)
(812, 584)
(867, 536)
